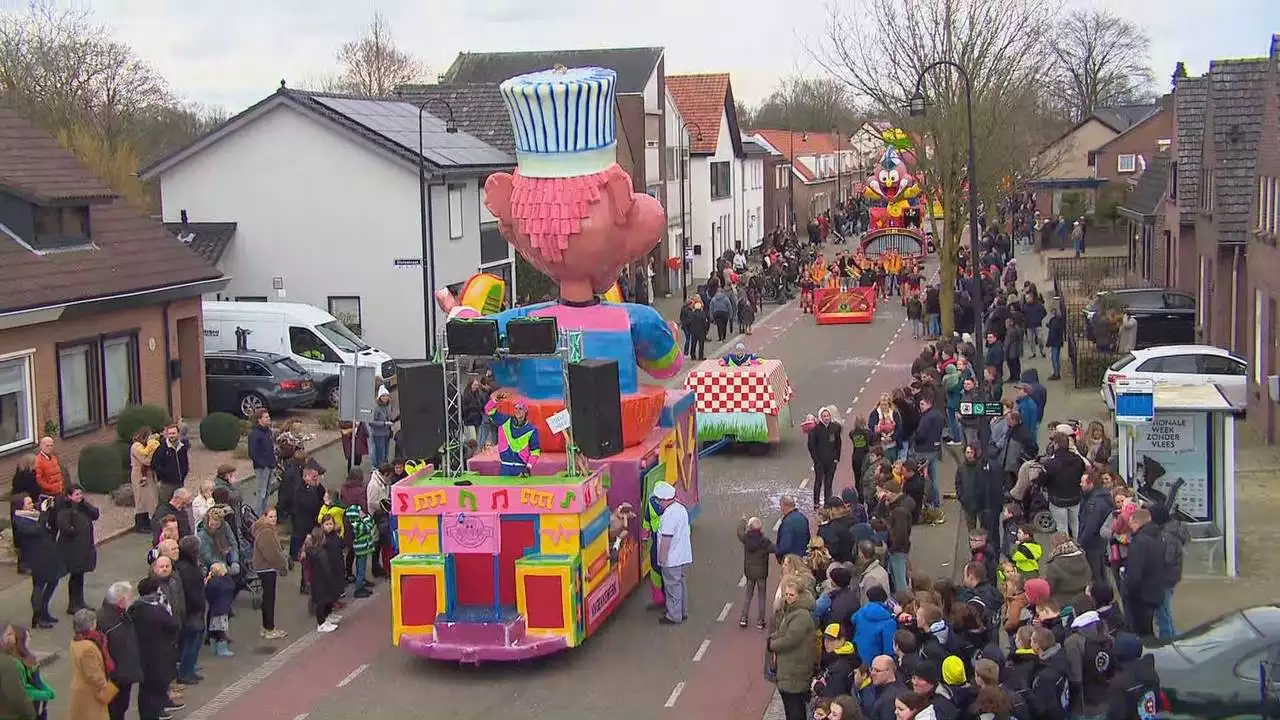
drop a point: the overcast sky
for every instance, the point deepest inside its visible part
(232, 53)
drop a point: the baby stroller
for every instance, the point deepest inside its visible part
(1030, 494)
(248, 580)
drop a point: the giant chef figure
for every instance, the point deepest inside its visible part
(569, 209)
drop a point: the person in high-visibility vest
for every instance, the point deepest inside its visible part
(518, 448)
(650, 522)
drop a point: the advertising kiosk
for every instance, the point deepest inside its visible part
(1183, 437)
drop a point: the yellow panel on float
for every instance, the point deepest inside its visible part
(418, 534)
(595, 563)
(558, 535)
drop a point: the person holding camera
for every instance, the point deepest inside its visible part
(40, 548)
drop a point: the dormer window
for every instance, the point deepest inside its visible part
(58, 227)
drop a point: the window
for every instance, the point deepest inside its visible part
(1127, 163)
(304, 343)
(1179, 364)
(1178, 301)
(346, 308)
(17, 406)
(1173, 182)
(782, 176)
(1219, 365)
(455, 210)
(341, 337)
(1268, 214)
(721, 180)
(97, 380)
(1206, 190)
(251, 298)
(61, 226)
(1163, 144)
(1209, 641)
(1122, 363)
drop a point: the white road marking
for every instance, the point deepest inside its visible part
(777, 525)
(675, 695)
(804, 483)
(702, 650)
(353, 675)
(742, 581)
(724, 612)
(303, 716)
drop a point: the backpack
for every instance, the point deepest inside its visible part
(1097, 660)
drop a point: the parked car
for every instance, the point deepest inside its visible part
(1182, 365)
(315, 340)
(246, 382)
(1164, 316)
(1225, 668)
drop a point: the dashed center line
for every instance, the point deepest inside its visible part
(702, 650)
(742, 582)
(724, 612)
(777, 524)
(353, 675)
(675, 695)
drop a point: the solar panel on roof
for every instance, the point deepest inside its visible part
(398, 122)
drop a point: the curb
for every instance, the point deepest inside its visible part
(127, 530)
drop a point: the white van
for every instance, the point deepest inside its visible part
(316, 340)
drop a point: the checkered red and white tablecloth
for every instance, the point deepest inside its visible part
(762, 388)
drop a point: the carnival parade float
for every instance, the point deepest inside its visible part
(897, 213)
(740, 398)
(536, 542)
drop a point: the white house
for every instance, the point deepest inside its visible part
(676, 165)
(751, 193)
(324, 194)
(715, 194)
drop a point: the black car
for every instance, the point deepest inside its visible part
(1225, 668)
(1165, 317)
(246, 382)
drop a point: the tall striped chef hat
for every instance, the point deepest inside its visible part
(563, 120)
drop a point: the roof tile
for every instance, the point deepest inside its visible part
(478, 107)
(797, 143)
(633, 65)
(130, 253)
(209, 240)
(700, 98)
(1152, 186)
(1236, 105)
(1190, 97)
(36, 167)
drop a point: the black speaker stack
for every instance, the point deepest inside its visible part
(423, 426)
(595, 407)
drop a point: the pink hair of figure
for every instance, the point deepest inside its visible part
(551, 210)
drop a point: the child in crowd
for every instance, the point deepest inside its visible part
(980, 551)
(1025, 552)
(201, 503)
(818, 559)
(219, 592)
(757, 553)
(363, 542)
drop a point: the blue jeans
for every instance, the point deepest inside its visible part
(917, 329)
(261, 489)
(898, 571)
(381, 443)
(953, 424)
(934, 324)
(361, 568)
(189, 652)
(931, 462)
(1055, 360)
(1164, 616)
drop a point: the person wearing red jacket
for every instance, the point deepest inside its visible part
(49, 469)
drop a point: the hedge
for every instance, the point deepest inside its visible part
(137, 416)
(101, 468)
(220, 431)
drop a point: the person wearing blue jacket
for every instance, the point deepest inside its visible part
(1029, 409)
(874, 626)
(793, 531)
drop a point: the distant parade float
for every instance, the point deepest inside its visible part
(740, 398)
(897, 216)
(537, 542)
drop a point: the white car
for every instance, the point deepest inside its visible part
(1182, 365)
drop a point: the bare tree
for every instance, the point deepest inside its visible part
(1100, 60)
(815, 104)
(372, 65)
(880, 51)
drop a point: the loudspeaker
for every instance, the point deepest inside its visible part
(422, 418)
(471, 337)
(532, 336)
(596, 407)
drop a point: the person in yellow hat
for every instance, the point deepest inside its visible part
(839, 660)
(956, 681)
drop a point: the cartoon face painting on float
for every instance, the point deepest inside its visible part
(896, 193)
(524, 556)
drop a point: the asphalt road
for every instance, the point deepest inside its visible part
(634, 668)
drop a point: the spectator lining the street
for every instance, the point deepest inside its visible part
(146, 496)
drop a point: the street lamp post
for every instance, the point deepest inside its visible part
(427, 232)
(917, 108)
(684, 229)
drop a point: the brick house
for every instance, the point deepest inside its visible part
(1144, 215)
(814, 182)
(777, 180)
(99, 304)
(1125, 157)
(1069, 171)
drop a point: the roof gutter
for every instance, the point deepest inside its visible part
(51, 313)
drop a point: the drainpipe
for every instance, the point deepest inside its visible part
(168, 353)
(1235, 297)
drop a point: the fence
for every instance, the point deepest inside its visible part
(1076, 280)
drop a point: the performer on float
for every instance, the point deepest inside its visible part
(740, 357)
(570, 210)
(518, 446)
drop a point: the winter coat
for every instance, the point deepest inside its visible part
(824, 443)
(353, 492)
(39, 549)
(1067, 571)
(1096, 506)
(473, 402)
(1033, 313)
(899, 514)
(873, 629)
(146, 495)
(1056, 333)
(75, 536)
(267, 552)
(157, 631)
(50, 476)
(720, 305)
(793, 643)
(219, 593)
(306, 506)
(971, 487)
(756, 549)
(842, 604)
(193, 604)
(262, 447)
(14, 702)
(171, 464)
(1064, 469)
(874, 575)
(167, 510)
(928, 434)
(90, 688)
(327, 570)
(837, 535)
(210, 539)
(1147, 577)
(1128, 686)
(122, 643)
(793, 535)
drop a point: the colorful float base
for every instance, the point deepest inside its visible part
(840, 307)
(907, 242)
(743, 403)
(500, 569)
